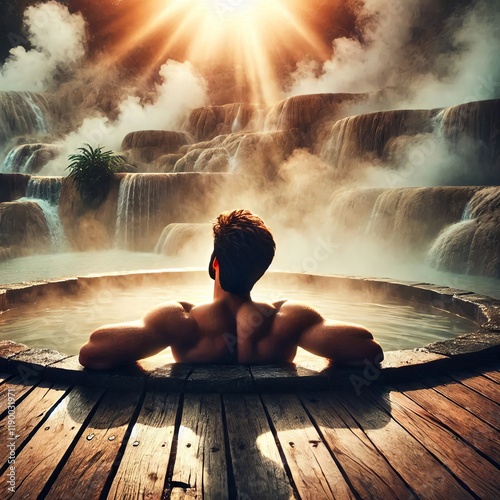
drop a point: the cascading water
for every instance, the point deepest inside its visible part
(138, 202)
(147, 203)
(471, 246)
(41, 122)
(45, 192)
(44, 188)
(29, 158)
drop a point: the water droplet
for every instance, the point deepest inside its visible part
(291, 444)
(90, 437)
(135, 443)
(111, 438)
(188, 445)
(47, 428)
(215, 449)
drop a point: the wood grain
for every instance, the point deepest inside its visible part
(45, 450)
(314, 472)
(143, 468)
(19, 388)
(480, 384)
(466, 464)
(467, 398)
(368, 472)
(469, 427)
(492, 374)
(256, 462)
(89, 466)
(30, 412)
(427, 477)
(200, 469)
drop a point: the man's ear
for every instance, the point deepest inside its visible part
(211, 266)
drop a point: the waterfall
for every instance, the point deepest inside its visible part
(139, 201)
(45, 192)
(472, 245)
(147, 203)
(39, 116)
(8, 165)
(29, 158)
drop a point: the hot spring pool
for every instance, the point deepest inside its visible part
(65, 324)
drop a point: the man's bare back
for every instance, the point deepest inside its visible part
(233, 328)
(230, 331)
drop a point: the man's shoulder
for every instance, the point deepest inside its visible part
(301, 314)
(168, 312)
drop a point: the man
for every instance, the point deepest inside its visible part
(233, 328)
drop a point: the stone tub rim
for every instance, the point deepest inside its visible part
(33, 364)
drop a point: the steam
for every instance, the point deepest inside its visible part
(465, 70)
(58, 40)
(182, 89)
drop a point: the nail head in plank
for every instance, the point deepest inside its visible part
(143, 468)
(45, 450)
(89, 465)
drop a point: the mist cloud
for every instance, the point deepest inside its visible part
(58, 41)
(455, 65)
(181, 90)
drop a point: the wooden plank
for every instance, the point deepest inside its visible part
(143, 468)
(466, 464)
(89, 465)
(492, 374)
(18, 387)
(315, 473)
(480, 384)
(200, 469)
(469, 427)
(419, 469)
(43, 453)
(253, 448)
(368, 472)
(30, 412)
(4, 377)
(467, 398)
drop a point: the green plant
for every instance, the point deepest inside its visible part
(92, 170)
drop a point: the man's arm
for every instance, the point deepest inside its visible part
(112, 346)
(343, 343)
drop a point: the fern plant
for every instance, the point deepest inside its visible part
(92, 170)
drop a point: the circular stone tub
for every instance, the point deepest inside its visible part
(479, 332)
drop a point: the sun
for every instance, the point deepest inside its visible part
(250, 36)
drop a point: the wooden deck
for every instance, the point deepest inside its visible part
(436, 438)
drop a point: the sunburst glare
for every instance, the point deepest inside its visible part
(250, 36)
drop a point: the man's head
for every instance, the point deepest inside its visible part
(244, 248)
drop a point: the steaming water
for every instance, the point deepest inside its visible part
(67, 265)
(66, 325)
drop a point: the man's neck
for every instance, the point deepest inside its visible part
(230, 298)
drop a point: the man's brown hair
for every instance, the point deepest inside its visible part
(244, 247)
